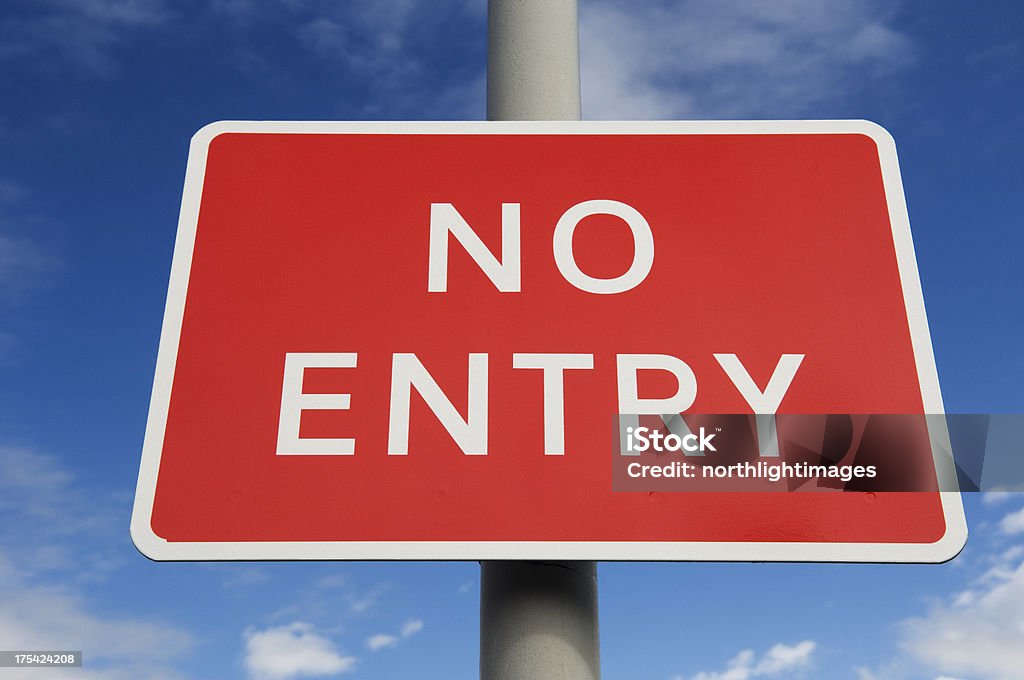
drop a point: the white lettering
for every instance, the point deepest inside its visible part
(643, 247)
(763, 404)
(445, 219)
(469, 434)
(554, 366)
(294, 402)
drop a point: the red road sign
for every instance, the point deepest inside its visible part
(410, 340)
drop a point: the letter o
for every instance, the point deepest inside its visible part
(643, 247)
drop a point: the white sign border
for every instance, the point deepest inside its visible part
(157, 548)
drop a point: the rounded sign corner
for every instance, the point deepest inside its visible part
(881, 137)
(146, 541)
(205, 135)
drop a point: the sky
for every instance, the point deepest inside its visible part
(98, 101)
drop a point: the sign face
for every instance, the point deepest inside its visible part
(420, 340)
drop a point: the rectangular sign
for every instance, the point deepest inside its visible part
(429, 340)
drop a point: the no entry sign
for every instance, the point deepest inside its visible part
(423, 340)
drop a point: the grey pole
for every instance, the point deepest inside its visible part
(533, 63)
(538, 620)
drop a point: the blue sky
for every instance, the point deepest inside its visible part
(98, 99)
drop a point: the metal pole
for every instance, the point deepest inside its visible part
(538, 620)
(533, 63)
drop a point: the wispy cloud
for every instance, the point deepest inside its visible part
(34, 484)
(393, 55)
(977, 633)
(320, 601)
(973, 633)
(25, 265)
(49, 522)
(40, 616)
(999, 65)
(368, 37)
(76, 34)
(39, 493)
(1013, 523)
(387, 640)
(53, 540)
(381, 641)
(390, 47)
(295, 650)
(390, 57)
(731, 58)
(361, 602)
(997, 497)
(780, 659)
(411, 627)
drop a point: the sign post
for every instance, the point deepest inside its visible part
(537, 619)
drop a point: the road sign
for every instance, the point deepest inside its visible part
(421, 340)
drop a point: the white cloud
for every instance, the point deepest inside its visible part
(53, 537)
(48, 522)
(1011, 554)
(360, 603)
(978, 633)
(777, 660)
(782, 658)
(411, 627)
(41, 616)
(33, 483)
(1013, 523)
(731, 58)
(381, 641)
(320, 602)
(291, 651)
(997, 497)
(387, 640)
